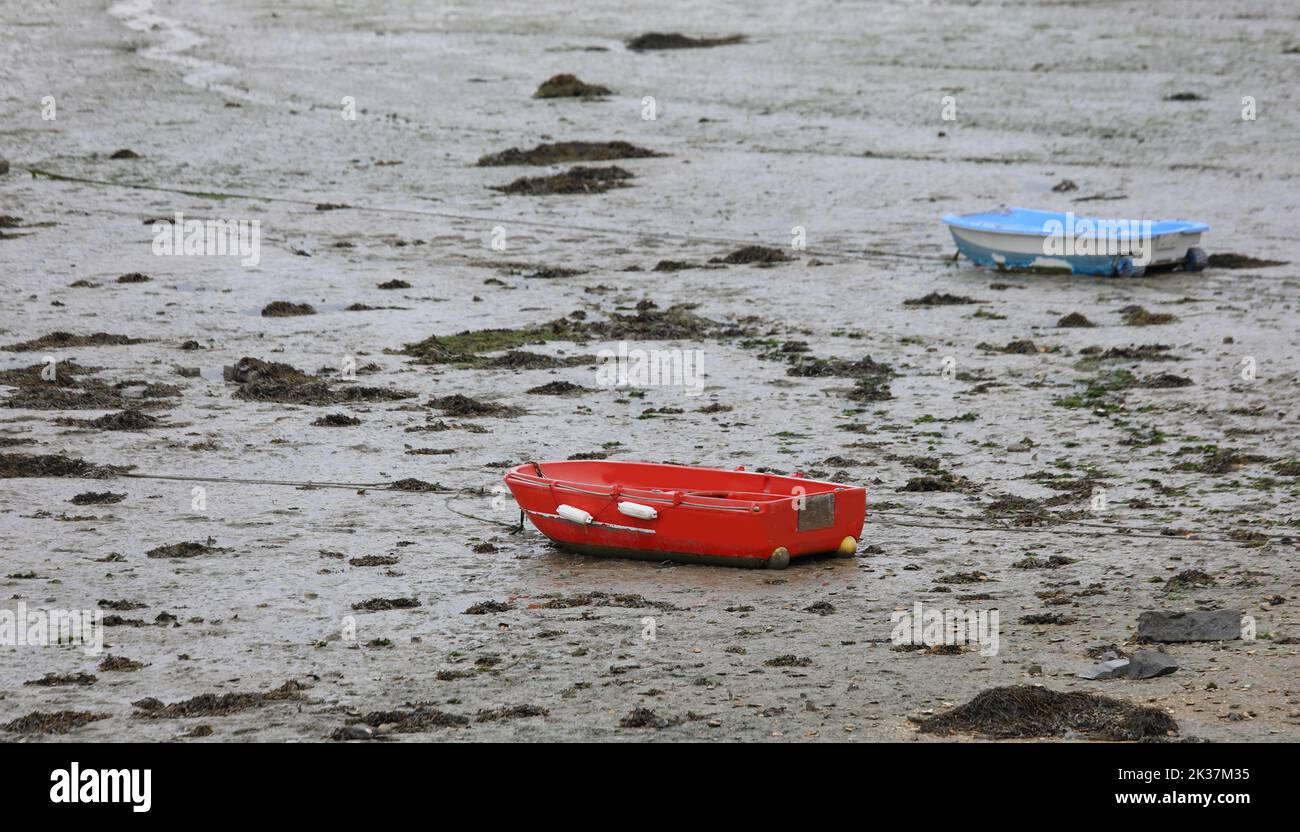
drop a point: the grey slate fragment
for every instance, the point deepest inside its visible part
(1218, 625)
(1106, 670)
(1148, 664)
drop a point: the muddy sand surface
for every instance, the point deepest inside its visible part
(981, 427)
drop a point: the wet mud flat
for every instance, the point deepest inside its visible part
(1071, 452)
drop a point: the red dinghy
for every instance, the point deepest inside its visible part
(677, 512)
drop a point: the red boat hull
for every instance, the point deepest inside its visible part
(699, 514)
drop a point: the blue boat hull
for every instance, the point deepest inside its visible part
(1101, 265)
(1021, 238)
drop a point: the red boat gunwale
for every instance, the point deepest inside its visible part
(681, 512)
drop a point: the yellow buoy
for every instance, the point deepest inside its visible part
(848, 548)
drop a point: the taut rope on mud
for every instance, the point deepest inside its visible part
(864, 254)
(984, 523)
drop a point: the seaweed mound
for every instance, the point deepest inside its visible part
(64, 340)
(760, 255)
(569, 86)
(675, 40)
(577, 180)
(268, 381)
(211, 704)
(1028, 711)
(650, 323)
(561, 152)
(56, 465)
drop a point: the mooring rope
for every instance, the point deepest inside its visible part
(249, 481)
(864, 254)
(983, 523)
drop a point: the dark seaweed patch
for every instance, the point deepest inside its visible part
(561, 152)
(756, 255)
(569, 86)
(577, 180)
(511, 712)
(418, 486)
(56, 465)
(188, 549)
(603, 599)
(789, 660)
(466, 407)
(66, 340)
(558, 388)
(119, 664)
(57, 722)
(674, 40)
(336, 420)
(1027, 711)
(374, 560)
(1165, 380)
(51, 680)
(381, 604)
(1047, 618)
(125, 420)
(1034, 562)
(211, 704)
(649, 323)
(646, 718)
(488, 607)
(1138, 316)
(1228, 260)
(121, 606)
(97, 498)
(1215, 460)
(267, 381)
(1189, 579)
(286, 309)
(416, 720)
(940, 299)
(1074, 319)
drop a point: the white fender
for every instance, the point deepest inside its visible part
(572, 514)
(637, 510)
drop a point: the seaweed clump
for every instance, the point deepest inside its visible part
(66, 385)
(1228, 260)
(417, 719)
(1138, 316)
(188, 549)
(576, 180)
(65, 340)
(125, 420)
(569, 86)
(871, 377)
(211, 704)
(56, 465)
(268, 381)
(461, 406)
(756, 255)
(649, 323)
(286, 309)
(940, 299)
(57, 722)
(675, 40)
(562, 152)
(1074, 319)
(1018, 711)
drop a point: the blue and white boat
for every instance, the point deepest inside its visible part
(1020, 238)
